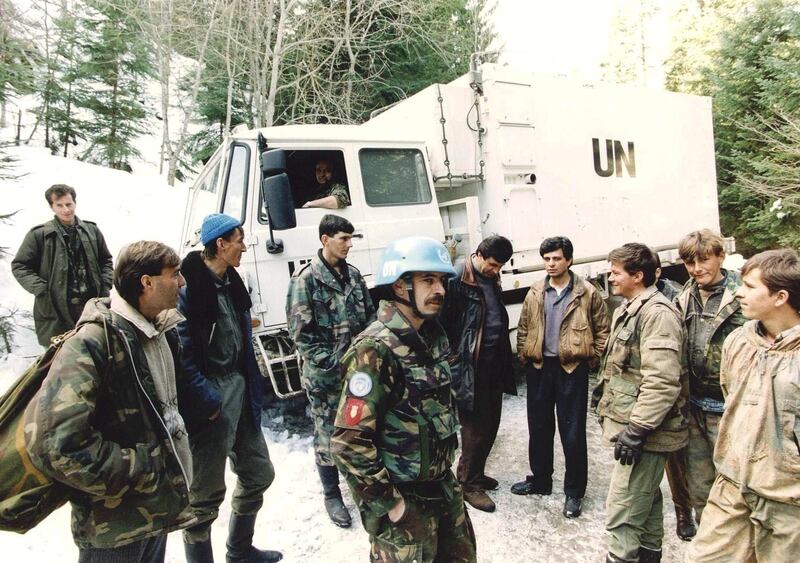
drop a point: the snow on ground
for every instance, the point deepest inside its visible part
(132, 207)
(293, 520)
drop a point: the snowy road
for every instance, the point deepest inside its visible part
(523, 529)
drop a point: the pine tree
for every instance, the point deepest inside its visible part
(116, 65)
(754, 79)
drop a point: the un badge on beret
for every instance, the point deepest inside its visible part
(360, 384)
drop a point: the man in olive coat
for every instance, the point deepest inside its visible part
(642, 409)
(64, 263)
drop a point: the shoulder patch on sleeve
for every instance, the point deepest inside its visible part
(360, 384)
(353, 411)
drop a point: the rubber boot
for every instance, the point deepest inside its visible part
(198, 552)
(240, 542)
(334, 504)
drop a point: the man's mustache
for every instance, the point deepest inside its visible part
(435, 300)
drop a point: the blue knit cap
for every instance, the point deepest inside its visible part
(216, 225)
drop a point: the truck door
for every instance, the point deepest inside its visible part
(301, 244)
(398, 198)
(202, 199)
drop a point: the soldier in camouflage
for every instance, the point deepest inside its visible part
(325, 193)
(396, 426)
(106, 422)
(710, 313)
(754, 506)
(326, 307)
(642, 407)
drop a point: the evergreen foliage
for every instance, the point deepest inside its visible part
(116, 64)
(754, 79)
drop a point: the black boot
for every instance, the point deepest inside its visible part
(649, 555)
(337, 511)
(684, 524)
(198, 552)
(240, 542)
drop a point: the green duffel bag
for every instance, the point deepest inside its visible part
(27, 496)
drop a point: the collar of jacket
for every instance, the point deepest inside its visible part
(52, 226)
(635, 305)
(787, 341)
(201, 289)
(732, 283)
(468, 272)
(165, 320)
(429, 347)
(576, 281)
(322, 271)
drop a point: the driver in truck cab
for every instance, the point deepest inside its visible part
(325, 192)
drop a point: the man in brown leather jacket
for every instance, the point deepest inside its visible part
(562, 330)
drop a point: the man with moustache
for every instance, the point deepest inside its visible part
(327, 305)
(396, 426)
(222, 399)
(64, 263)
(562, 330)
(643, 389)
(710, 313)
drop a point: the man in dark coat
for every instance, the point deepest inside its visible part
(476, 323)
(64, 263)
(222, 399)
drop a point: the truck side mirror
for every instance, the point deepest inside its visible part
(276, 193)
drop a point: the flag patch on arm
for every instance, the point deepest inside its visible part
(353, 411)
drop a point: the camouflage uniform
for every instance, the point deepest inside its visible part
(644, 382)
(754, 506)
(98, 428)
(324, 316)
(705, 395)
(339, 191)
(396, 437)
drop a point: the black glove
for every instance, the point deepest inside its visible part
(630, 443)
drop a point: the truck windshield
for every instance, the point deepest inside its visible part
(394, 177)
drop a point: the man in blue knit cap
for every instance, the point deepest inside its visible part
(221, 400)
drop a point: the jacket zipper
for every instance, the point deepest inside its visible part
(155, 410)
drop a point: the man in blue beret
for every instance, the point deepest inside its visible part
(222, 396)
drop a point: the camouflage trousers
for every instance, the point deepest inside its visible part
(700, 470)
(745, 527)
(323, 397)
(634, 505)
(435, 528)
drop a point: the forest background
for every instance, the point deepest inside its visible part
(95, 72)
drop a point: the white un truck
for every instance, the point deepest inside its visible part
(495, 151)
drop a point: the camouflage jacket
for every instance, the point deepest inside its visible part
(759, 434)
(41, 265)
(323, 318)
(643, 374)
(396, 420)
(728, 318)
(96, 427)
(337, 190)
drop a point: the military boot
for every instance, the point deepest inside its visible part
(649, 555)
(198, 552)
(240, 542)
(684, 524)
(334, 504)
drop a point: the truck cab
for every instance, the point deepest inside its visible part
(391, 195)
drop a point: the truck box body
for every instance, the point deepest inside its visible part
(496, 151)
